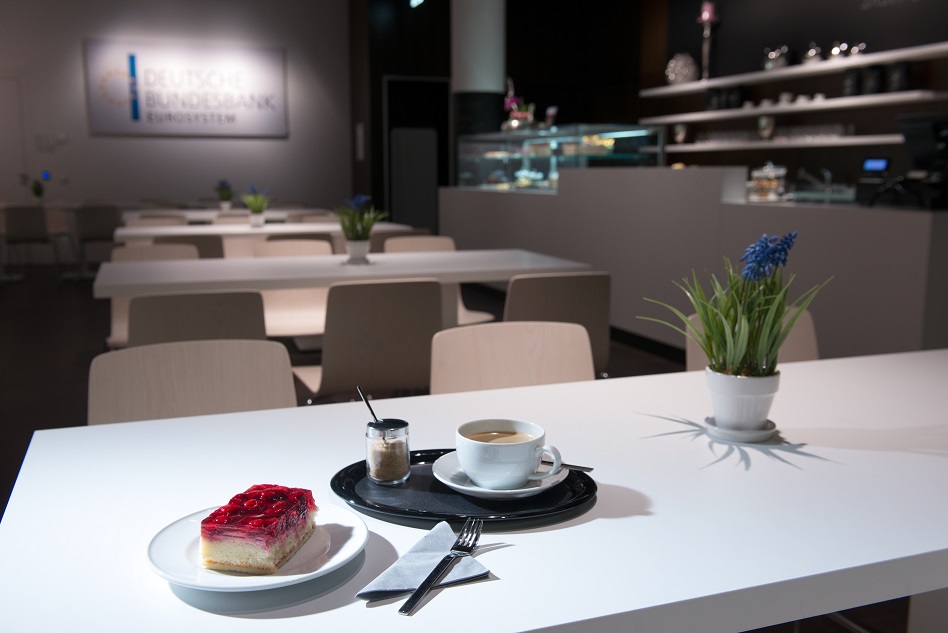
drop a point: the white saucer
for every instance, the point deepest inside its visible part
(735, 435)
(447, 470)
(339, 536)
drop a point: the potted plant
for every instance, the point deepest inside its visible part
(257, 203)
(225, 195)
(741, 325)
(37, 189)
(357, 216)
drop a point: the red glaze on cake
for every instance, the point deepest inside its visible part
(258, 530)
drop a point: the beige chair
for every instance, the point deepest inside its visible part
(799, 345)
(94, 224)
(23, 226)
(152, 220)
(437, 243)
(60, 230)
(313, 215)
(157, 220)
(295, 312)
(119, 333)
(195, 317)
(509, 354)
(322, 236)
(378, 336)
(231, 218)
(377, 238)
(189, 378)
(208, 245)
(582, 298)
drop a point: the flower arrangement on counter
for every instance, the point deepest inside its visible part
(225, 192)
(255, 200)
(744, 321)
(357, 216)
(518, 113)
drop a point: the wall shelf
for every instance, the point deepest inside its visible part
(813, 69)
(780, 144)
(839, 103)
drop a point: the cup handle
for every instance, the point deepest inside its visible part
(557, 462)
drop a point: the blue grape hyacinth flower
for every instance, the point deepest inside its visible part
(765, 255)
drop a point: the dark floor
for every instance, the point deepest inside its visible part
(50, 330)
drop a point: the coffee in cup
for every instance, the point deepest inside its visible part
(500, 454)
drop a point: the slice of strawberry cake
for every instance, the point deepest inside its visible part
(258, 530)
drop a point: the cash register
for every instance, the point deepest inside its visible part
(924, 185)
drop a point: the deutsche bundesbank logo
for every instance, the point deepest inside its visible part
(119, 87)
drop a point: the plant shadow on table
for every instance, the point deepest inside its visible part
(325, 593)
(776, 448)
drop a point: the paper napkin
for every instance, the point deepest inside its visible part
(410, 570)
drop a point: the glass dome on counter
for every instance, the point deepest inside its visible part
(530, 159)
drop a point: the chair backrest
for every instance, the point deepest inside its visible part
(291, 248)
(207, 245)
(800, 344)
(322, 236)
(377, 238)
(231, 218)
(97, 223)
(118, 336)
(419, 244)
(437, 243)
(582, 297)
(189, 378)
(170, 220)
(378, 335)
(313, 215)
(147, 252)
(509, 354)
(24, 224)
(195, 317)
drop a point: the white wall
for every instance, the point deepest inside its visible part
(41, 45)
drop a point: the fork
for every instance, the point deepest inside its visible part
(463, 546)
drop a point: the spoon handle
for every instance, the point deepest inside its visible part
(366, 401)
(584, 469)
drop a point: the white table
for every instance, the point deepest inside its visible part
(116, 279)
(687, 534)
(206, 216)
(239, 238)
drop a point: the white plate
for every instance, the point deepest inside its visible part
(338, 538)
(448, 471)
(734, 435)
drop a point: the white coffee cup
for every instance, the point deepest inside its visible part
(503, 454)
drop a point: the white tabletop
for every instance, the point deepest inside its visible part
(126, 233)
(477, 266)
(206, 216)
(687, 534)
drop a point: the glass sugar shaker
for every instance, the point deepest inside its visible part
(387, 459)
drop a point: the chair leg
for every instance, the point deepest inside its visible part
(4, 260)
(847, 624)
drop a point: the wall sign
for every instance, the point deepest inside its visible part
(173, 90)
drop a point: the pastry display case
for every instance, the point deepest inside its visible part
(530, 159)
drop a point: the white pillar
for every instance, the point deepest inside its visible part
(478, 46)
(478, 64)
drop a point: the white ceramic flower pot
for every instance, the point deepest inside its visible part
(358, 251)
(741, 402)
(225, 205)
(256, 219)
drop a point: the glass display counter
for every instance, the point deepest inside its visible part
(530, 159)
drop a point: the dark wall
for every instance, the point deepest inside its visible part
(394, 43)
(747, 27)
(583, 57)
